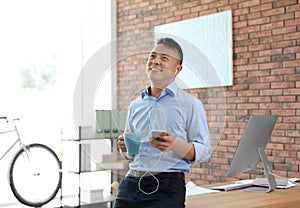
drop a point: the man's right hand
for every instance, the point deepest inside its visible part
(121, 143)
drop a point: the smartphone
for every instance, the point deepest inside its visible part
(156, 133)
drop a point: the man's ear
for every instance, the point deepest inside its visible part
(178, 69)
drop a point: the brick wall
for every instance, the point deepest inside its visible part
(266, 53)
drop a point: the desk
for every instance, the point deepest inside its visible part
(279, 198)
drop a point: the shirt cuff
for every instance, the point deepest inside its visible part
(125, 156)
(202, 152)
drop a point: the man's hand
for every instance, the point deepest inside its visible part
(121, 143)
(163, 142)
(169, 142)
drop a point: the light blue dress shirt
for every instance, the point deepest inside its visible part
(175, 111)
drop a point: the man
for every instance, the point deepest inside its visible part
(156, 175)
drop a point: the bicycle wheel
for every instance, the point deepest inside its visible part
(35, 175)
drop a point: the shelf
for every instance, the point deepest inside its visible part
(80, 163)
(121, 165)
(103, 202)
(110, 166)
(105, 199)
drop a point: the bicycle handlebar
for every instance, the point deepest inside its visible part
(4, 117)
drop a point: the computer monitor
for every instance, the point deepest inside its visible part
(251, 150)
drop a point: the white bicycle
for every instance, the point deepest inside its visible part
(35, 171)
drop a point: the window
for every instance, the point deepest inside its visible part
(44, 46)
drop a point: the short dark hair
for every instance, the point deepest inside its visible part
(172, 44)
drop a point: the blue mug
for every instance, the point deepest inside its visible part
(132, 142)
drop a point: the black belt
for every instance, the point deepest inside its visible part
(139, 174)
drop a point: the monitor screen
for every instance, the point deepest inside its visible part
(255, 136)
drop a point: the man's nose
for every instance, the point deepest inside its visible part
(156, 61)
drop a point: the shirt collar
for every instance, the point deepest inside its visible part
(171, 89)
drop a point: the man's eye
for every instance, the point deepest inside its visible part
(165, 58)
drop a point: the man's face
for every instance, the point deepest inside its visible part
(163, 64)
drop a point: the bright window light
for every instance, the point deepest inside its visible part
(44, 46)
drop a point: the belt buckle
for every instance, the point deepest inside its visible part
(138, 174)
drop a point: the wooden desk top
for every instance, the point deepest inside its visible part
(279, 198)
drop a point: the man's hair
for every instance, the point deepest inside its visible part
(169, 42)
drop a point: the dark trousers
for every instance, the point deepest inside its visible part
(170, 194)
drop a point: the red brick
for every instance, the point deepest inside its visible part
(292, 36)
(217, 4)
(283, 99)
(259, 47)
(190, 15)
(249, 3)
(288, 16)
(240, 62)
(292, 77)
(270, 39)
(248, 106)
(261, 7)
(278, 85)
(270, 52)
(284, 3)
(293, 91)
(239, 24)
(284, 30)
(271, 79)
(294, 63)
(283, 112)
(273, 65)
(248, 93)
(165, 4)
(259, 21)
(251, 16)
(272, 12)
(259, 86)
(293, 8)
(284, 140)
(260, 34)
(284, 44)
(292, 22)
(293, 133)
(207, 12)
(249, 29)
(265, 59)
(258, 73)
(272, 25)
(264, 99)
(199, 8)
(284, 153)
(190, 4)
(293, 119)
(292, 105)
(247, 67)
(269, 105)
(275, 146)
(292, 49)
(240, 11)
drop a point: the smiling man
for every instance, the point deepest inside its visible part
(157, 173)
(164, 63)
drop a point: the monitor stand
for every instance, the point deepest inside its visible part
(267, 170)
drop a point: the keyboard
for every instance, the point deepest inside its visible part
(264, 182)
(233, 186)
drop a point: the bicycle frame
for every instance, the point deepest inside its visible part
(18, 139)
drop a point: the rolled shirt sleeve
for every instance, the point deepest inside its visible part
(198, 132)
